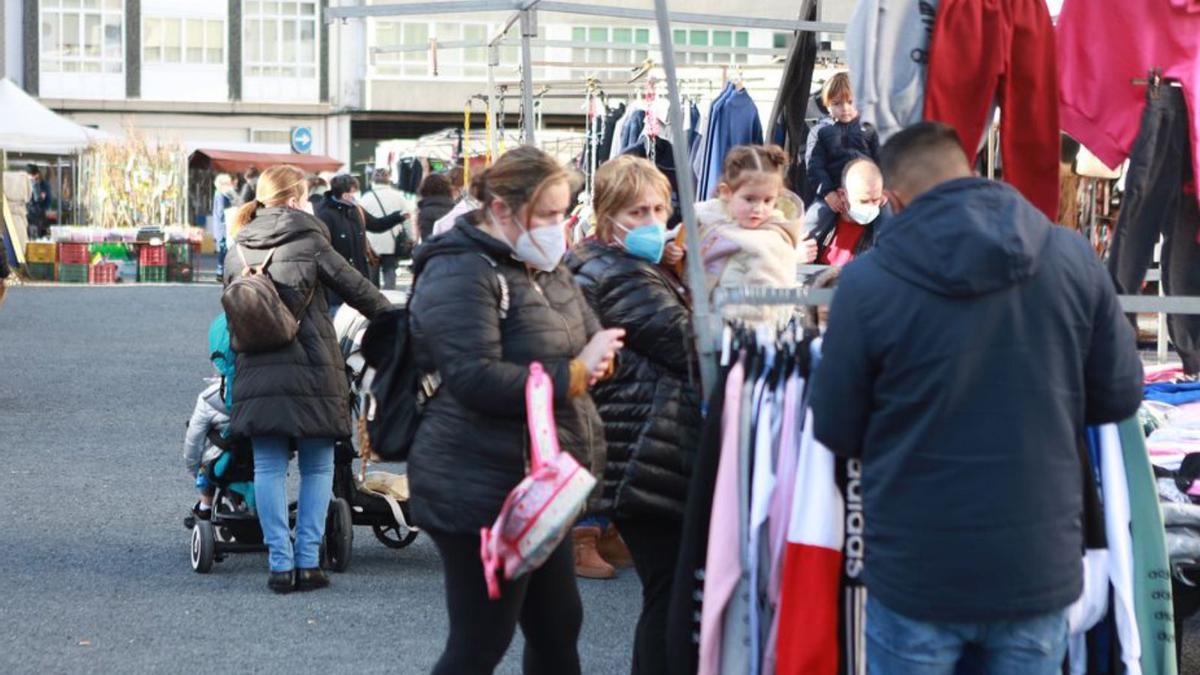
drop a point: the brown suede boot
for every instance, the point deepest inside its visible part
(588, 563)
(613, 549)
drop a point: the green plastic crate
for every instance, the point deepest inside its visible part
(73, 274)
(179, 253)
(40, 271)
(152, 274)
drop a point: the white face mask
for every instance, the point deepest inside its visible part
(542, 247)
(863, 214)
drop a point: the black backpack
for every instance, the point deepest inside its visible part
(399, 390)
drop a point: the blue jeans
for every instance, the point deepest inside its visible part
(592, 520)
(271, 457)
(222, 249)
(898, 645)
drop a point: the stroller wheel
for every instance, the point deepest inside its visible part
(204, 547)
(394, 536)
(339, 536)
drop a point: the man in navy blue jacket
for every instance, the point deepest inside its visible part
(964, 356)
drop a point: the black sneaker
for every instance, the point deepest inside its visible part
(311, 579)
(282, 582)
(202, 514)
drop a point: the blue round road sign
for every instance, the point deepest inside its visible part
(302, 139)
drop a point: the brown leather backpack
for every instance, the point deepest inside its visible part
(259, 320)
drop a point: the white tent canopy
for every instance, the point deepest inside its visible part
(28, 126)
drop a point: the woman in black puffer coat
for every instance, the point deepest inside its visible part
(296, 397)
(437, 199)
(479, 334)
(651, 404)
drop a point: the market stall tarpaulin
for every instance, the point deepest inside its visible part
(236, 161)
(27, 126)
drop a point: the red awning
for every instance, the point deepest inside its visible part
(234, 161)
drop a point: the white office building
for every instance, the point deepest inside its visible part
(245, 73)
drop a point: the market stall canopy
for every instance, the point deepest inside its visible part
(30, 127)
(235, 161)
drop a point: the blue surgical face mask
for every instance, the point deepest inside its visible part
(646, 242)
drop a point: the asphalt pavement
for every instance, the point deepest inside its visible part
(95, 387)
(96, 384)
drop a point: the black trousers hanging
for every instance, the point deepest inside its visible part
(1160, 200)
(687, 588)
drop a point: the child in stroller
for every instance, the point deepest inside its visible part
(205, 446)
(224, 470)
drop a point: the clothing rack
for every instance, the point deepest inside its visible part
(766, 296)
(525, 12)
(763, 295)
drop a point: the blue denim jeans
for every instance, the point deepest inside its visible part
(222, 249)
(271, 458)
(898, 645)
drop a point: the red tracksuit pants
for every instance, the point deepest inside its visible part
(985, 50)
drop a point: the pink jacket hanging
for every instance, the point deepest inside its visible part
(1104, 45)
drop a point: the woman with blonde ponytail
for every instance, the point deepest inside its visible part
(294, 397)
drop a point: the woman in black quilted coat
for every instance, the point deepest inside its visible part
(491, 296)
(296, 396)
(651, 404)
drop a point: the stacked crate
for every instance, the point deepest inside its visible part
(103, 273)
(73, 262)
(181, 258)
(152, 264)
(40, 261)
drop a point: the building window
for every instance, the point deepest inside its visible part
(683, 39)
(280, 38)
(272, 136)
(782, 41)
(466, 63)
(83, 36)
(179, 40)
(630, 46)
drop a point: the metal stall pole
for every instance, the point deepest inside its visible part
(706, 340)
(528, 31)
(58, 173)
(493, 56)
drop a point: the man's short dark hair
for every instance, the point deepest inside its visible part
(342, 183)
(435, 185)
(252, 173)
(33, 170)
(915, 149)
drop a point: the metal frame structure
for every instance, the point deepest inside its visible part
(568, 44)
(525, 14)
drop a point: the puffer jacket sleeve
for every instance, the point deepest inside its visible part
(657, 324)
(197, 432)
(462, 320)
(384, 224)
(819, 180)
(334, 272)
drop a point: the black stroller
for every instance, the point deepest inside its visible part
(233, 526)
(378, 500)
